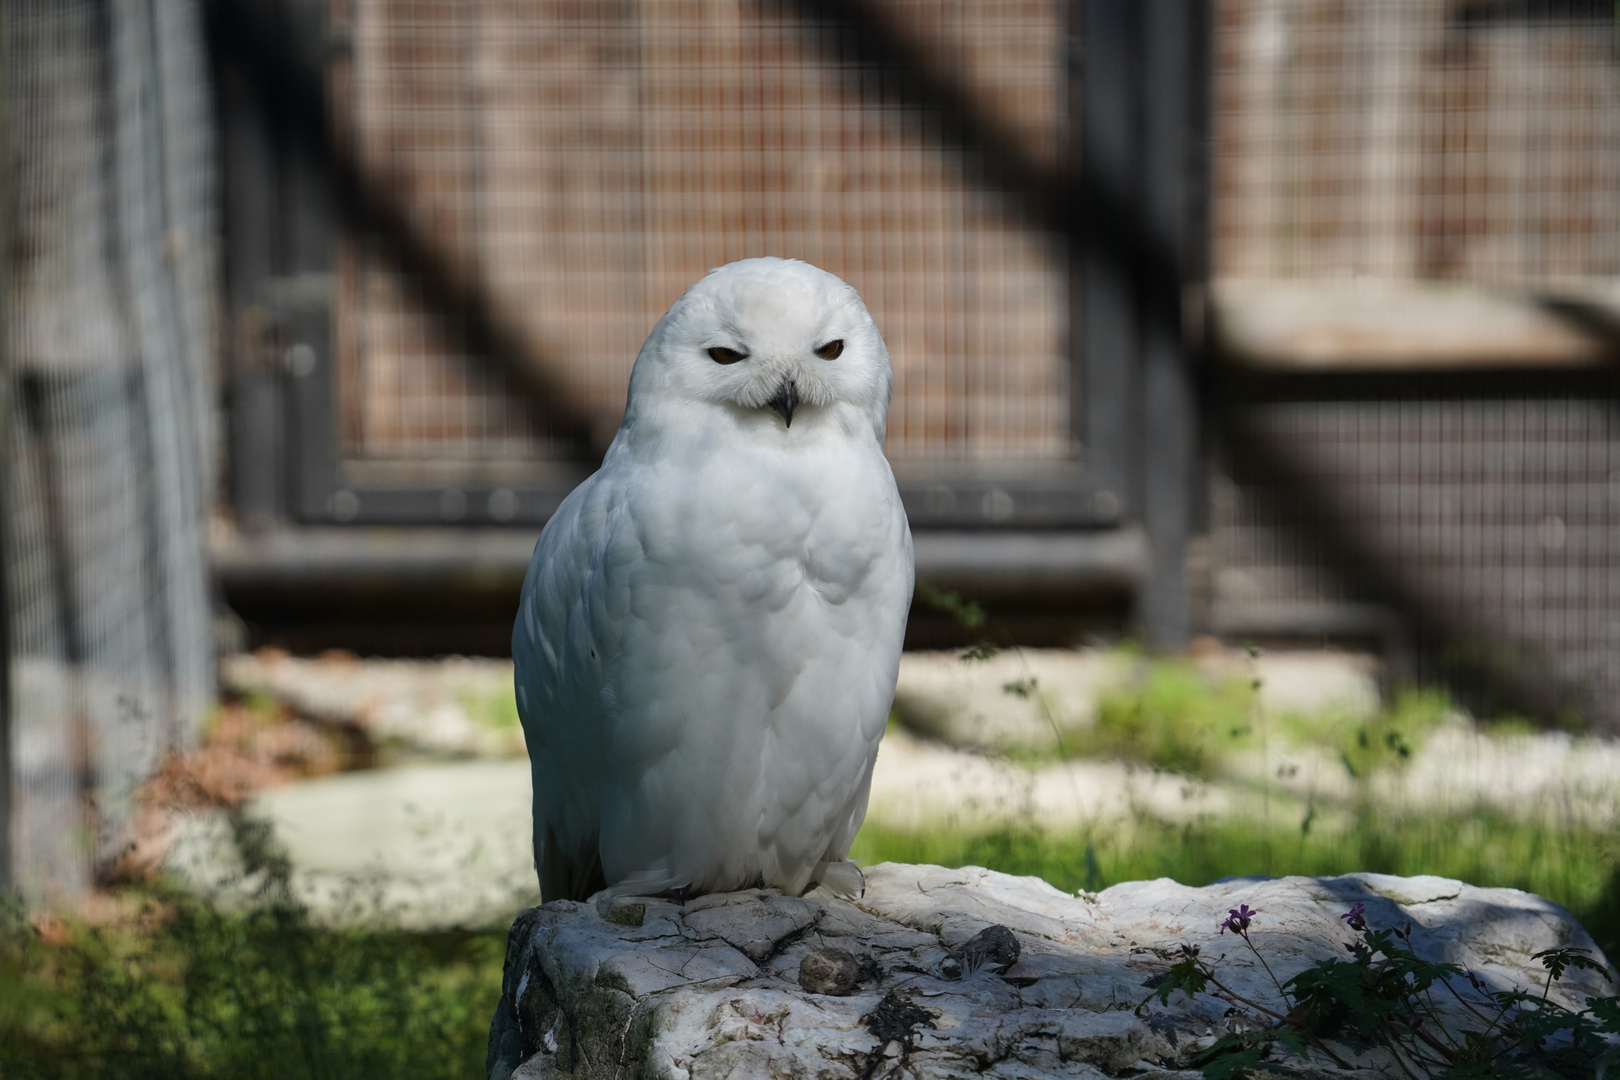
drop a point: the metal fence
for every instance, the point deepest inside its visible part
(477, 211)
(1459, 139)
(449, 225)
(588, 164)
(111, 280)
(1473, 515)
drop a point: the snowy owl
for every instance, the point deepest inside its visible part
(709, 632)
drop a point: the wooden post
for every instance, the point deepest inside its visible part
(1110, 154)
(1141, 103)
(8, 876)
(1170, 53)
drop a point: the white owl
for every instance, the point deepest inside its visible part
(710, 628)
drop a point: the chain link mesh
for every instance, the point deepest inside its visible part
(111, 352)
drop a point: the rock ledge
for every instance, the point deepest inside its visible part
(955, 973)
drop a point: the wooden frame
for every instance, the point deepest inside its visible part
(1124, 208)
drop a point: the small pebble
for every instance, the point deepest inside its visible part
(829, 971)
(627, 914)
(994, 946)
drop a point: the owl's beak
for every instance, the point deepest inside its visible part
(785, 401)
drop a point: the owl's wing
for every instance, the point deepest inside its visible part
(565, 636)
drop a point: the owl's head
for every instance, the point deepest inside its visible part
(764, 341)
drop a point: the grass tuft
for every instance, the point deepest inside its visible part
(1577, 867)
(176, 990)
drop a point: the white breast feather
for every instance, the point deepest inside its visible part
(710, 629)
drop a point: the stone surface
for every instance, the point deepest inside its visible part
(1018, 699)
(718, 988)
(829, 971)
(919, 785)
(438, 845)
(459, 706)
(1035, 699)
(416, 847)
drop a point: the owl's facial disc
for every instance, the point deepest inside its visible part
(785, 401)
(766, 333)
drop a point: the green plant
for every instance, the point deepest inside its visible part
(181, 990)
(1575, 865)
(949, 602)
(1172, 716)
(1389, 737)
(494, 709)
(1431, 1019)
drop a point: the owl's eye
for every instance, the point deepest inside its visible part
(832, 350)
(722, 355)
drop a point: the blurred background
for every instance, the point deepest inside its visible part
(1226, 334)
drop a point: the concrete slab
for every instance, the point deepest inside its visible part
(416, 847)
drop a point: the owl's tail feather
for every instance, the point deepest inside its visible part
(569, 875)
(660, 880)
(842, 878)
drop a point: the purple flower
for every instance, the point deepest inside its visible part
(1237, 919)
(1356, 918)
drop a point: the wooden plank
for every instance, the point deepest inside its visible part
(1378, 325)
(318, 559)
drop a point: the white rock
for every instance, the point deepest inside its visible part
(1018, 699)
(711, 990)
(436, 706)
(1311, 681)
(417, 847)
(919, 786)
(1551, 775)
(1035, 699)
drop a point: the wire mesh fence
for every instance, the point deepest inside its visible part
(111, 350)
(1417, 138)
(1473, 142)
(582, 164)
(590, 163)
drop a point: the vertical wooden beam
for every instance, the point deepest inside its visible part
(281, 223)
(304, 318)
(1169, 402)
(1110, 155)
(251, 249)
(8, 205)
(1141, 135)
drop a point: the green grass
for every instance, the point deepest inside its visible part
(1576, 867)
(179, 990)
(495, 709)
(265, 995)
(183, 991)
(1175, 715)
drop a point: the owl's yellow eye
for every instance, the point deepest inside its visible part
(722, 355)
(832, 350)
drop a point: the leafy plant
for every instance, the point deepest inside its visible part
(1432, 1019)
(1173, 716)
(1390, 737)
(950, 602)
